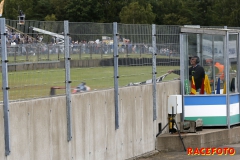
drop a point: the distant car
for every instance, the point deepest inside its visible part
(81, 88)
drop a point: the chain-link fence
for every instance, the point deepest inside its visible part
(36, 59)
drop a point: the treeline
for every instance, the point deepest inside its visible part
(161, 12)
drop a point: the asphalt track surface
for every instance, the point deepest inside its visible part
(184, 156)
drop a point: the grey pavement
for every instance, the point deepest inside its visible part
(163, 155)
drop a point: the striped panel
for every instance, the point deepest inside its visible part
(210, 121)
(234, 109)
(235, 119)
(205, 100)
(210, 100)
(216, 121)
(212, 109)
(234, 98)
(205, 110)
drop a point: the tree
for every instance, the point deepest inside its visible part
(111, 10)
(42, 8)
(164, 9)
(58, 8)
(51, 17)
(161, 12)
(11, 8)
(174, 19)
(191, 12)
(137, 14)
(83, 11)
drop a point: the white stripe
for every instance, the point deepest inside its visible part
(205, 110)
(234, 109)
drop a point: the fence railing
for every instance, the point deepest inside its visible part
(36, 67)
(50, 52)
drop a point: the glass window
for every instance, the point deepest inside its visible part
(210, 50)
(218, 64)
(213, 58)
(232, 55)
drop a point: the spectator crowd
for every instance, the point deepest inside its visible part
(22, 44)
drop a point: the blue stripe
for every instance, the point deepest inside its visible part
(234, 99)
(205, 100)
(210, 100)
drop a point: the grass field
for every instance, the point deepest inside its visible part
(37, 83)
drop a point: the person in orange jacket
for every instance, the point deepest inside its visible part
(220, 68)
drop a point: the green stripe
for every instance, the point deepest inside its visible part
(210, 121)
(235, 119)
(216, 121)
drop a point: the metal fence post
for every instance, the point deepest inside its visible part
(154, 72)
(226, 68)
(115, 50)
(5, 86)
(67, 80)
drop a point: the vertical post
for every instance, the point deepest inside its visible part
(48, 54)
(67, 80)
(238, 65)
(15, 55)
(198, 46)
(213, 57)
(115, 52)
(58, 50)
(182, 40)
(80, 50)
(27, 49)
(226, 73)
(38, 53)
(154, 72)
(5, 86)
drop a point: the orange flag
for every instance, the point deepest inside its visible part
(193, 87)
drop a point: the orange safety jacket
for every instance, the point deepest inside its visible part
(220, 69)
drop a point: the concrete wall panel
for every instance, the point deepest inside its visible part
(97, 126)
(81, 125)
(19, 124)
(2, 140)
(39, 127)
(41, 136)
(58, 128)
(126, 120)
(148, 138)
(163, 91)
(137, 122)
(111, 133)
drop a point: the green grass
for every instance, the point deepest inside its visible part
(37, 83)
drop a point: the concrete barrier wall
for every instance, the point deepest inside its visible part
(90, 63)
(38, 127)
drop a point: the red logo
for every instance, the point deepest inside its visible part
(211, 151)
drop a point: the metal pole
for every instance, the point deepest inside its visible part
(198, 45)
(154, 72)
(227, 76)
(238, 71)
(214, 61)
(5, 86)
(115, 50)
(67, 80)
(183, 47)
